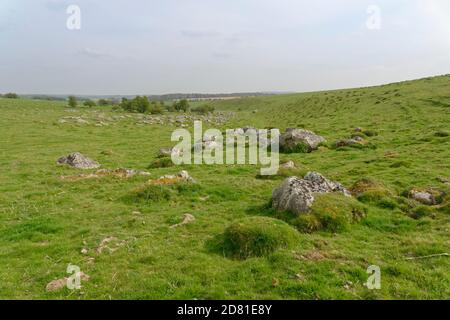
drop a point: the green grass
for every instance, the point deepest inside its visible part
(257, 236)
(46, 221)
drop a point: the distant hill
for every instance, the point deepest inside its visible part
(162, 97)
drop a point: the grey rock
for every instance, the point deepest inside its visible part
(345, 142)
(293, 137)
(183, 175)
(79, 161)
(297, 195)
(423, 197)
(288, 165)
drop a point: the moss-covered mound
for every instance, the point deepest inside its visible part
(257, 236)
(330, 212)
(161, 162)
(370, 191)
(163, 190)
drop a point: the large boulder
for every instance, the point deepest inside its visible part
(297, 195)
(294, 138)
(79, 161)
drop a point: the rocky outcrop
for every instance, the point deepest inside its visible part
(79, 161)
(293, 138)
(297, 195)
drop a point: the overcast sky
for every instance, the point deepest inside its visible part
(162, 46)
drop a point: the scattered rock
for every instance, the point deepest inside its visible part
(288, 165)
(58, 284)
(423, 196)
(444, 180)
(297, 195)
(345, 142)
(188, 218)
(122, 173)
(168, 152)
(119, 173)
(111, 244)
(79, 161)
(292, 138)
(180, 176)
(84, 251)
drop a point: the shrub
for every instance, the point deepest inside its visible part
(204, 109)
(156, 108)
(138, 104)
(89, 103)
(331, 212)
(182, 105)
(10, 95)
(257, 236)
(72, 102)
(104, 102)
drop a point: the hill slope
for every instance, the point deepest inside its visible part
(46, 222)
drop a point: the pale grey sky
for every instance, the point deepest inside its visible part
(161, 46)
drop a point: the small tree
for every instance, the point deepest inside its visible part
(10, 95)
(89, 103)
(204, 109)
(182, 105)
(72, 102)
(156, 108)
(104, 102)
(138, 104)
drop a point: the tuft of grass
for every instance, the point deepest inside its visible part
(163, 162)
(257, 236)
(371, 191)
(370, 133)
(332, 212)
(298, 148)
(285, 173)
(442, 133)
(422, 211)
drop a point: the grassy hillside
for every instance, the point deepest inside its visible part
(45, 221)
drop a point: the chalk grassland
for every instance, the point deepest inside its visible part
(45, 222)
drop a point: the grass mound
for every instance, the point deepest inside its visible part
(422, 211)
(331, 212)
(161, 162)
(257, 236)
(163, 190)
(285, 173)
(298, 148)
(442, 133)
(370, 191)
